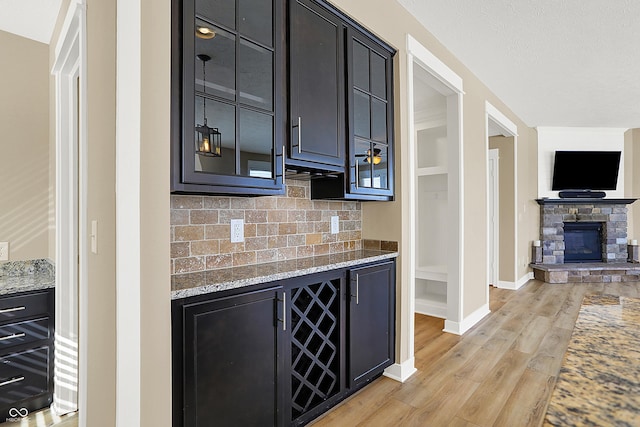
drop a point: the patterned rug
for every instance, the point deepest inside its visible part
(599, 382)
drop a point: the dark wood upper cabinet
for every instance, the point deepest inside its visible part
(317, 95)
(228, 89)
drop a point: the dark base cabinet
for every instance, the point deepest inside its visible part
(282, 353)
(26, 353)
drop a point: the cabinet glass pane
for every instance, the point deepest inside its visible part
(220, 70)
(380, 166)
(360, 66)
(378, 76)
(256, 17)
(220, 11)
(363, 161)
(221, 116)
(255, 78)
(378, 120)
(361, 114)
(255, 143)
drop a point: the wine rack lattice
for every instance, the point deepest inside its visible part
(315, 312)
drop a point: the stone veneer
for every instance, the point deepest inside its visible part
(614, 230)
(276, 228)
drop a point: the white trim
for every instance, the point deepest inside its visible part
(518, 284)
(468, 322)
(128, 263)
(493, 229)
(510, 129)
(69, 70)
(401, 371)
(431, 63)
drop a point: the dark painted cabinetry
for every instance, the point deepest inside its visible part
(228, 93)
(284, 353)
(26, 352)
(317, 94)
(227, 360)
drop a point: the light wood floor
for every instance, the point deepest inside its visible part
(500, 373)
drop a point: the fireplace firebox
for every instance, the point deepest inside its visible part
(582, 242)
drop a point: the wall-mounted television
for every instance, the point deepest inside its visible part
(586, 170)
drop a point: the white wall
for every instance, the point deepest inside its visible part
(551, 139)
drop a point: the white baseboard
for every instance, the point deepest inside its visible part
(401, 371)
(468, 322)
(515, 285)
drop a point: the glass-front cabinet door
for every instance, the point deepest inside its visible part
(370, 116)
(230, 121)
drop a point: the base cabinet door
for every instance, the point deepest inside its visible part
(371, 322)
(231, 360)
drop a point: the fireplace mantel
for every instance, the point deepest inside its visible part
(585, 201)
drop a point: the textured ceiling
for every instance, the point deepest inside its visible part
(33, 19)
(553, 62)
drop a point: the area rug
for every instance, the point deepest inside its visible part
(599, 382)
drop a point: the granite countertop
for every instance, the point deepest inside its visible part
(599, 382)
(204, 282)
(23, 276)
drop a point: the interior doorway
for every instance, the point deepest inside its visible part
(502, 187)
(71, 231)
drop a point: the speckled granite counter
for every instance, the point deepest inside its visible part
(23, 276)
(599, 383)
(191, 284)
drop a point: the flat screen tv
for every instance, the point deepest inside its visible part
(586, 170)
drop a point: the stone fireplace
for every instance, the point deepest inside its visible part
(584, 220)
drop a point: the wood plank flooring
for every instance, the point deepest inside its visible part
(500, 373)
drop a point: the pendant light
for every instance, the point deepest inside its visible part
(207, 139)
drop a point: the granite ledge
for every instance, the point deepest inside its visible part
(25, 276)
(203, 282)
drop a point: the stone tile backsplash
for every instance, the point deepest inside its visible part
(275, 228)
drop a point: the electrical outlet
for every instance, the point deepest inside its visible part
(237, 230)
(4, 251)
(335, 224)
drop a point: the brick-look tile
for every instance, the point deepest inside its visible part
(296, 240)
(329, 238)
(304, 204)
(266, 229)
(205, 247)
(287, 228)
(336, 247)
(255, 216)
(295, 216)
(313, 215)
(220, 231)
(256, 243)
(226, 247)
(179, 217)
(244, 258)
(313, 239)
(306, 227)
(371, 244)
(285, 203)
(321, 249)
(179, 249)
(204, 216)
(266, 256)
(185, 233)
(186, 265)
(277, 242)
(216, 203)
(250, 230)
(294, 192)
(243, 203)
(320, 205)
(278, 215)
(287, 253)
(219, 261)
(304, 251)
(186, 202)
(226, 216)
(389, 246)
(267, 202)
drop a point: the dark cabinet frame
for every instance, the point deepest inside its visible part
(378, 281)
(184, 178)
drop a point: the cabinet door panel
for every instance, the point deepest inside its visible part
(231, 360)
(371, 321)
(317, 85)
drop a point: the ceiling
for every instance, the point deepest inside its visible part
(552, 62)
(33, 19)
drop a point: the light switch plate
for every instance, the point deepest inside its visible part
(4, 251)
(335, 224)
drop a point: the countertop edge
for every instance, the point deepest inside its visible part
(240, 283)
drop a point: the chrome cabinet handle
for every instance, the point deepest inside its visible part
(299, 126)
(11, 381)
(9, 337)
(284, 311)
(9, 310)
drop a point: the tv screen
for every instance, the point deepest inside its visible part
(586, 170)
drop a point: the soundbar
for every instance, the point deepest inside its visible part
(581, 194)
